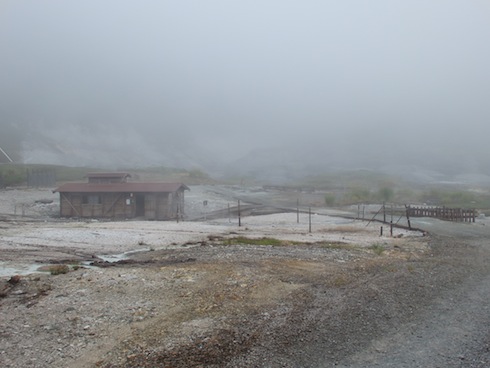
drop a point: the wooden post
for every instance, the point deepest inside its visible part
(309, 219)
(239, 215)
(408, 216)
(297, 210)
(384, 213)
(391, 228)
(381, 231)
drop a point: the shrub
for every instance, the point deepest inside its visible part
(386, 194)
(378, 249)
(358, 195)
(58, 269)
(329, 199)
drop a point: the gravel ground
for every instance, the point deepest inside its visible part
(338, 296)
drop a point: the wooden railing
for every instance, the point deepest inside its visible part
(443, 213)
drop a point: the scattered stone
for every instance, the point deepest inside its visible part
(14, 279)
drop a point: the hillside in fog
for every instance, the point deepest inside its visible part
(274, 89)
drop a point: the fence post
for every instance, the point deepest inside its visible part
(408, 216)
(239, 215)
(309, 219)
(297, 210)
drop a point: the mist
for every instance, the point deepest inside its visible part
(307, 85)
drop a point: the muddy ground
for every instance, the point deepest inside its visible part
(194, 297)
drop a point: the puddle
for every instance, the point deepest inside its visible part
(10, 269)
(19, 269)
(111, 258)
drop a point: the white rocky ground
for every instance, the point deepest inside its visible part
(197, 301)
(34, 233)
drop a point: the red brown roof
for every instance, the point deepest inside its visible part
(120, 188)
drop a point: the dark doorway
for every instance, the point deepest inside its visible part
(140, 205)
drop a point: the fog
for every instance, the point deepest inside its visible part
(252, 83)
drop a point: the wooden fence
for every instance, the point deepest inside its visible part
(443, 213)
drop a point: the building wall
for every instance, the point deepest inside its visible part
(70, 205)
(157, 206)
(169, 206)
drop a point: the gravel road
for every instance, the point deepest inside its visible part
(452, 331)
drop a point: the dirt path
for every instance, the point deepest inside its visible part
(453, 331)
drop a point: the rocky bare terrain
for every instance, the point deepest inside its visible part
(199, 294)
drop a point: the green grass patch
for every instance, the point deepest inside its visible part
(337, 245)
(259, 241)
(378, 249)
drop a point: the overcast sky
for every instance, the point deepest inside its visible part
(259, 73)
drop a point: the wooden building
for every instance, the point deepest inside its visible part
(110, 195)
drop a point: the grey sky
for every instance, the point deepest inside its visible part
(259, 73)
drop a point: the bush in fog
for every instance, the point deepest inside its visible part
(450, 198)
(358, 195)
(329, 199)
(198, 174)
(386, 194)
